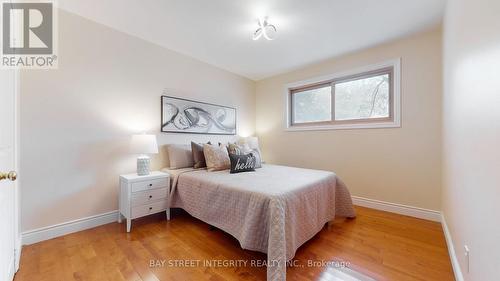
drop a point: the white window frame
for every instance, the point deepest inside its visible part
(394, 122)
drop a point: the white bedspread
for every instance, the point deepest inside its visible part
(273, 210)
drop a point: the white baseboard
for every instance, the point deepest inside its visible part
(49, 232)
(411, 211)
(451, 251)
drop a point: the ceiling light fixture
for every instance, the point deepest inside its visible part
(264, 30)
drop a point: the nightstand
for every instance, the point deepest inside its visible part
(143, 195)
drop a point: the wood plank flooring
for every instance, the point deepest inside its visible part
(378, 244)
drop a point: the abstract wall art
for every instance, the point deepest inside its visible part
(187, 116)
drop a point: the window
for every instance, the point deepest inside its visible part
(368, 98)
(312, 105)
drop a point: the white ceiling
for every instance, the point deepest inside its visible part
(219, 32)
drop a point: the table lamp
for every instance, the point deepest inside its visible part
(143, 145)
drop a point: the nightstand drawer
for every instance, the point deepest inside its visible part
(145, 210)
(148, 196)
(150, 184)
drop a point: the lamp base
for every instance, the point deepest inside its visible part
(143, 164)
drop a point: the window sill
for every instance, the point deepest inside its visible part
(374, 125)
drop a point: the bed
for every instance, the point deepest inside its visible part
(273, 210)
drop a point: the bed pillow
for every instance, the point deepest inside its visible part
(253, 143)
(242, 149)
(216, 157)
(180, 156)
(238, 149)
(242, 163)
(198, 155)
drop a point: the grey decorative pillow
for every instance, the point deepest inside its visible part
(216, 157)
(180, 156)
(242, 163)
(243, 149)
(198, 155)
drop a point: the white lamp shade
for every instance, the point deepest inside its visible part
(143, 144)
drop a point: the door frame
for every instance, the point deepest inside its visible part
(17, 191)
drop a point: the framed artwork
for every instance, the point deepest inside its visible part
(187, 116)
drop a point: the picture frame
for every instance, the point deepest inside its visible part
(179, 115)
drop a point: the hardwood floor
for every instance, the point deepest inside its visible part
(381, 245)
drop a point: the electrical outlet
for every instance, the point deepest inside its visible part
(467, 257)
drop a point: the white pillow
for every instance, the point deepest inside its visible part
(216, 157)
(253, 143)
(180, 156)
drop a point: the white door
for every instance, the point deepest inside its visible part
(7, 164)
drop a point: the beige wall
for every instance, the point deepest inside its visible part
(471, 134)
(399, 165)
(76, 121)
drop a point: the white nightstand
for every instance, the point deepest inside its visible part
(143, 195)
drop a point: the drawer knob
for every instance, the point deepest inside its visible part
(150, 184)
(150, 196)
(150, 208)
